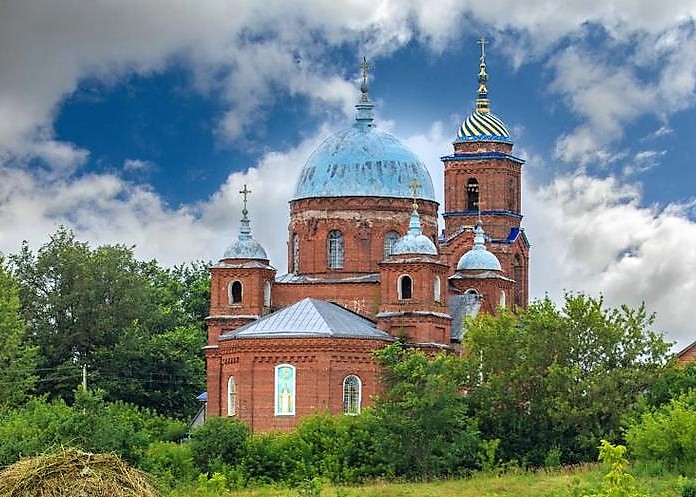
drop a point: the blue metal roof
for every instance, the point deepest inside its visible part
(363, 161)
(310, 318)
(414, 241)
(478, 257)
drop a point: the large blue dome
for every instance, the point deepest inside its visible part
(363, 161)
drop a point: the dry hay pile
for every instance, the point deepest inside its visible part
(73, 473)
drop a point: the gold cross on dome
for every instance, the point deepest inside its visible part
(483, 42)
(364, 67)
(414, 186)
(244, 193)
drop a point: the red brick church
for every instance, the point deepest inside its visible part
(366, 267)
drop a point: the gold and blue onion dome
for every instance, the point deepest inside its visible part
(363, 161)
(482, 124)
(479, 258)
(414, 241)
(245, 247)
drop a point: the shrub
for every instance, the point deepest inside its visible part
(219, 441)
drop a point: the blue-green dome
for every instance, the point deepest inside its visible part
(414, 241)
(479, 258)
(363, 161)
(245, 247)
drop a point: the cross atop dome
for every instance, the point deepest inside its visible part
(245, 191)
(365, 116)
(482, 97)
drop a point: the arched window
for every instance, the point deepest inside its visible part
(513, 195)
(501, 302)
(335, 250)
(296, 253)
(437, 289)
(231, 397)
(235, 292)
(267, 294)
(517, 275)
(389, 240)
(472, 195)
(405, 287)
(285, 390)
(352, 392)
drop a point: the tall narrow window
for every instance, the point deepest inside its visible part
(513, 195)
(352, 392)
(235, 291)
(405, 287)
(285, 390)
(389, 240)
(472, 195)
(517, 275)
(436, 289)
(267, 294)
(296, 253)
(501, 302)
(335, 250)
(231, 397)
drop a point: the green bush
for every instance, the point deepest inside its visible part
(219, 441)
(667, 435)
(171, 464)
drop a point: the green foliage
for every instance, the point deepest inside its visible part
(559, 378)
(90, 424)
(219, 441)
(667, 435)
(310, 488)
(424, 429)
(136, 326)
(170, 463)
(687, 487)
(17, 358)
(617, 481)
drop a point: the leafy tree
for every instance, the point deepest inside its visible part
(425, 430)
(136, 326)
(549, 378)
(17, 356)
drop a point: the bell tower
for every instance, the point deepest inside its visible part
(483, 181)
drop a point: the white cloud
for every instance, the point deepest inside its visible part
(592, 235)
(138, 165)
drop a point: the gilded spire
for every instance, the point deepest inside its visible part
(482, 106)
(365, 106)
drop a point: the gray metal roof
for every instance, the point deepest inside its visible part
(310, 318)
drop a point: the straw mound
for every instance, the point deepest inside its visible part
(73, 473)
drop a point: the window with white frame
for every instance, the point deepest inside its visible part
(352, 392)
(405, 287)
(336, 250)
(231, 397)
(390, 239)
(235, 292)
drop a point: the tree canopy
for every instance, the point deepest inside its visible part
(137, 327)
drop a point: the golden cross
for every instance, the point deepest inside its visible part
(364, 67)
(414, 186)
(483, 42)
(244, 193)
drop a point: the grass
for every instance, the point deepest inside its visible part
(561, 483)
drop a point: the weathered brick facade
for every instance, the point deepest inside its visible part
(353, 199)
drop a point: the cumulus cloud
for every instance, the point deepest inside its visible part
(592, 235)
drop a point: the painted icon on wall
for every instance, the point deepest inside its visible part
(285, 390)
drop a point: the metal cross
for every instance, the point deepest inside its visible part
(483, 42)
(364, 67)
(414, 186)
(244, 193)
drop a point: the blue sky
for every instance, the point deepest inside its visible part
(137, 122)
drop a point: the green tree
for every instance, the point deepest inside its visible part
(425, 430)
(17, 356)
(137, 327)
(550, 378)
